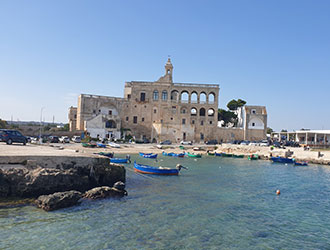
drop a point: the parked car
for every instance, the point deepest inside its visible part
(185, 142)
(166, 142)
(254, 143)
(76, 139)
(211, 142)
(53, 139)
(144, 140)
(245, 143)
(264, 143)
(65, 139)
(10, 136)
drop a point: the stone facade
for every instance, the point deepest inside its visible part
(160, 110)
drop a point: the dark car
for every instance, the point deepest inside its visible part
(211, 142)
(10, 136)
(167, 142)
(53, 139)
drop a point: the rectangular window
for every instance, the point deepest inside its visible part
(202, 136)
(183, 121)
(202, 123)
(110, 112)
(142, 119)
(134, 119)
(142, 97)
(210, 122)
(155, 111)
(193, 122)
(128, 96)
(127, 118)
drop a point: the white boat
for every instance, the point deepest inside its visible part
(113, 145)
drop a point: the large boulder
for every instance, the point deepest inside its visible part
(104, 192)
(47, 175)
(58, 200)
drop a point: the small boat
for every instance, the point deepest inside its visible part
(301, 163)
(145, 169)
(253, 157)
(149, 155)
(194, 155)
(119, 160)
(238, 156)
(217, 154)
(101, 145)
(110, 155)
(88, 145)
(173, 154)
(226, 155)
(282, 159)
(211, 153)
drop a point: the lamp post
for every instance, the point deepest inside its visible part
(40, 139)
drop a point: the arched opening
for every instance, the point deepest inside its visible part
(193, 112)
(110, 124)
(202, 98)
(164, 95)
(202, 112)
(211, 98)
(174, 95)
(155, 95)
(194, 97)
(210, 112)
(184, 97)
(256, 123)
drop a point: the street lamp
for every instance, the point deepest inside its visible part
(40, 139)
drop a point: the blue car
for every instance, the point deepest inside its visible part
(9, 136)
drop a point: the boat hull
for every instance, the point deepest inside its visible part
(118, 160)
(145, 169)
(150, 155)
(281, 160)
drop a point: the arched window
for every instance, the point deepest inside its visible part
(202, 98)
(202, 112)
(211, 98)
(164, 95)
(183, 111)
(194, 97)
(184, 97)
(193, 112)
(155, 95)
(210, 112)
(174, 95)
(110, 124)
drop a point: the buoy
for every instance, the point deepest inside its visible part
(278, 192)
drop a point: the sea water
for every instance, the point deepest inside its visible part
(218, 203)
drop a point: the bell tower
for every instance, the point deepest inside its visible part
(168, 72)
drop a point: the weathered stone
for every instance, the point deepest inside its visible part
(58, 200)
(47, 175)
(104, 192)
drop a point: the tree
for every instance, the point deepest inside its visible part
(227, 116)
(284, 130)
(270, 130)
(3, 124)
(234, 105)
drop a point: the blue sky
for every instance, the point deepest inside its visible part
(272, 53)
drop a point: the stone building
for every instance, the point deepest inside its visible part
(159, 110)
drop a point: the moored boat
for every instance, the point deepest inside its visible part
(119, 160)
(173, 154)
(238, 156)
(253, 157)
(218, 154)
(88, 145)
(194, 155)
(148, 155)
(301, 163)
(145, 169)
(226, 155)
(279, 159)
(211, 153)
(110, 155)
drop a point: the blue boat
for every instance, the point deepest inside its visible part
(119, 160)
(282, 159)
(101, 145)
(218, 154)
(145, 169)
(173, 154)
(110, 155)
(149, 155)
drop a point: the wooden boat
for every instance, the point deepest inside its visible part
(110, 155)
(282, 159)
(218, 154)
(253, 157)
(211, 153)
(226, 155)
(194, 155)
(88, 145)
(145, 169)
(173, 154)
(301, 163)
(101, 145)
(238, 156)
(149, 155)
(119, 160)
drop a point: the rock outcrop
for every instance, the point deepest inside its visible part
(35, 176)
(104, 192)
(58, 200)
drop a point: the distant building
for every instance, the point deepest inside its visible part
(164, 110)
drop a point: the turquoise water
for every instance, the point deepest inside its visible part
(218, 203)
